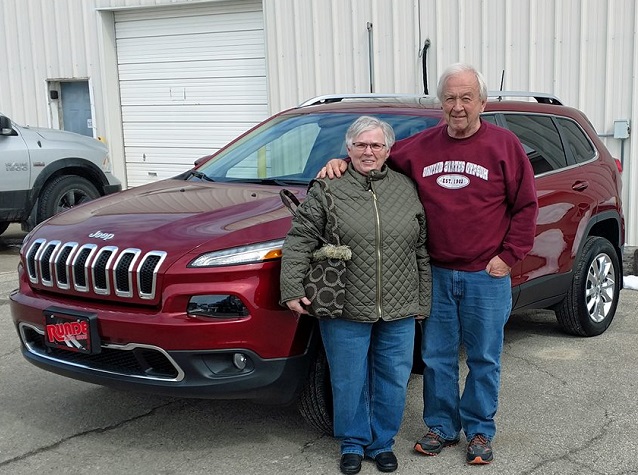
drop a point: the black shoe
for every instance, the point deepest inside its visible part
(350, 463)
(386, 462)
(479, 451)
(432, 443)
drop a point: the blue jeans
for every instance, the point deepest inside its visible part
(370, 364)
(469, 309)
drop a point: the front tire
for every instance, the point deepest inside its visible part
(315, 399)
(590, 304)
(64, 192)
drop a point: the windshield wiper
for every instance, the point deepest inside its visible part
(198, 174)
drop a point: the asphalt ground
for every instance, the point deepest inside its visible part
(568, 405)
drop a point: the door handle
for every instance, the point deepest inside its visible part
(580, 185)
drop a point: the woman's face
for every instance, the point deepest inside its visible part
(368, 151)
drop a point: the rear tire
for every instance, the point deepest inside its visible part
(315, 399)
(590, 304)
(64, 192)
(3, 226)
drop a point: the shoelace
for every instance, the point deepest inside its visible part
(480, 440)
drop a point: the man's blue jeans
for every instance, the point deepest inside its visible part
(469, 309)
(370, 364)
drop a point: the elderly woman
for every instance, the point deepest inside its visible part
(388, 283)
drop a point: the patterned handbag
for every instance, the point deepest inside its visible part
(324, 284)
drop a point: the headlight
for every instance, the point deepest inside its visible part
(254, 253)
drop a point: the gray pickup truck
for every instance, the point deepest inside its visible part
(45, 171)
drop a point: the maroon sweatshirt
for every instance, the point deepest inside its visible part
(478, 194)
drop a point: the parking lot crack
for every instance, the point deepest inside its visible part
(97, 430)
(572, 454)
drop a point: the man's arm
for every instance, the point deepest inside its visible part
(334, 168)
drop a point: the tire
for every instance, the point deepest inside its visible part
(64, 192)
(3, 226)
(590, 304)
(315, 399)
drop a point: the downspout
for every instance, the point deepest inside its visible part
(370, 56)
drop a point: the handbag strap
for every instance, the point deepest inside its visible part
(292, 203)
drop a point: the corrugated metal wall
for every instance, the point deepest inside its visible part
(583, 51)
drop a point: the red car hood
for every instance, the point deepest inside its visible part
(175, 216)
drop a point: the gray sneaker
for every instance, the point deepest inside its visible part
(432, 443)
(479, 451)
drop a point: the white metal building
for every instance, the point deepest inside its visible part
(169, 81)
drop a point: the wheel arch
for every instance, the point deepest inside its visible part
(607, 225)
(67, 166)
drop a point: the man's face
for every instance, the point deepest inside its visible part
(462, 105)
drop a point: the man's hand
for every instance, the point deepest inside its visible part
(497, 267)
(297, 305)
(334, 168)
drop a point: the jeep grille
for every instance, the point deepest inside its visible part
(90, 268)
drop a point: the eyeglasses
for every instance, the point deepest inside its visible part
(362, 146)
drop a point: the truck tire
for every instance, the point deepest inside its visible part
(3, 226)
(63, 193)
(315, 399)
(590, 304)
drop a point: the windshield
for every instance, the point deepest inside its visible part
(291, 149)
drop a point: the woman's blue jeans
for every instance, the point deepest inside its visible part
(468, 309)
(370, 364)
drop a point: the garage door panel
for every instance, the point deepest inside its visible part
(200, 24)
(184, 157)
(194, 91)
(228, 68)
(193, 10)
(184, 135)
(142, 173)
(202, 47)
(203, 113)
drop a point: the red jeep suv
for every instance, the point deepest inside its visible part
(173, 287)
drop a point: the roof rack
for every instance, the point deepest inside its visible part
(540, 97)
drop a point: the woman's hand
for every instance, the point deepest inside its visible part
(334, 168)
(297, 305)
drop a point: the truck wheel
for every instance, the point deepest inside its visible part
(3, 226)
(590, 304)
(315, 399)
(64, 192)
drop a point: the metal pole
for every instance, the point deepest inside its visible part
(370, 55)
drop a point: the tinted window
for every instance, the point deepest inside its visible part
(577, 141)
(540, 140)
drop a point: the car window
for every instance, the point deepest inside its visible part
(293, 148)
(577, 141)
(540, 139)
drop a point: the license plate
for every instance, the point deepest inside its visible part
(72, 331)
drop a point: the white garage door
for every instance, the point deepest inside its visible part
(191, 79)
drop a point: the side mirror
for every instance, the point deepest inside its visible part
(5, 126)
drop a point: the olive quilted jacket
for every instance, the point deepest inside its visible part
(382, 220)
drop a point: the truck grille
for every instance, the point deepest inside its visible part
(89, 268)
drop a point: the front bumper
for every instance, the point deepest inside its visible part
(210, 374)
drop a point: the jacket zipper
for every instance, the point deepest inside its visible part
(377, 250)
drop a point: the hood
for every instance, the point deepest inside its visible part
(64, 137)
(175, 216)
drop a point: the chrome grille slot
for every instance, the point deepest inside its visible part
(45, 262)
(100, 270)
(62, 263)
(80, 264)
(90, 268)
(147, 273)
(123, 272)
(31, 256)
